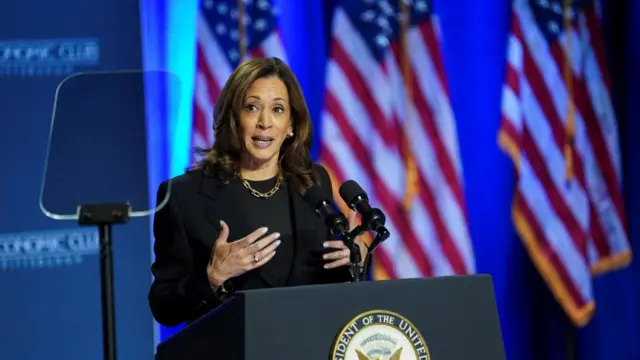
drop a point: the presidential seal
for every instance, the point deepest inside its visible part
(379, 335)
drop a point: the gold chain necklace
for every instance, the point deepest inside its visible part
(259, 194)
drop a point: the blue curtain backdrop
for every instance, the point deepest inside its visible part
(474, 47)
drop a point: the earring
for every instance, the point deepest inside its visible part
(290, 134)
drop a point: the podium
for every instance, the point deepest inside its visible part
(443, 318)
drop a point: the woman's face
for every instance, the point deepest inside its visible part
(265, 120)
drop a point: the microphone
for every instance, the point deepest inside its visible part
(372, 218)
(338, 225)
(335, 221)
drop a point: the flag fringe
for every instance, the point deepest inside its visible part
(579, 315)
(611, 263)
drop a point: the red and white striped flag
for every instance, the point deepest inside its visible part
(388, 124)
(559, 127)
(222, 42)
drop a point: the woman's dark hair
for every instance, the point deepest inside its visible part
(223, 159)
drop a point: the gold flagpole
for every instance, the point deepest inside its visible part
(569, 141)
(571, 111)
(411, 171)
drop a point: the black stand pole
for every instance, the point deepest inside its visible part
(105, 216)
(106, 286)
(355, 256)
(570, 341)
(380, 237)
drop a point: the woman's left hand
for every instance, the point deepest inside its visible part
(342, 255)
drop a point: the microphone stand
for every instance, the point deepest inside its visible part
(380, 237)
(104, 216)
(355, 256)
(360, 272)
(336, 223)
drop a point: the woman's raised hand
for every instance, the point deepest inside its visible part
(231, 259)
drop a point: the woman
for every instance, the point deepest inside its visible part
(237, 221)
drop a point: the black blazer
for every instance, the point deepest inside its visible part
(185, 230)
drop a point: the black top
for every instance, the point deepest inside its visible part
(251, 213)
(186, 227)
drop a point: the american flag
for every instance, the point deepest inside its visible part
(228, 32)
(388, 124)
(559, 127)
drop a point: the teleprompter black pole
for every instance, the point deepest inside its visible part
(104, 216)
(106, 286)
